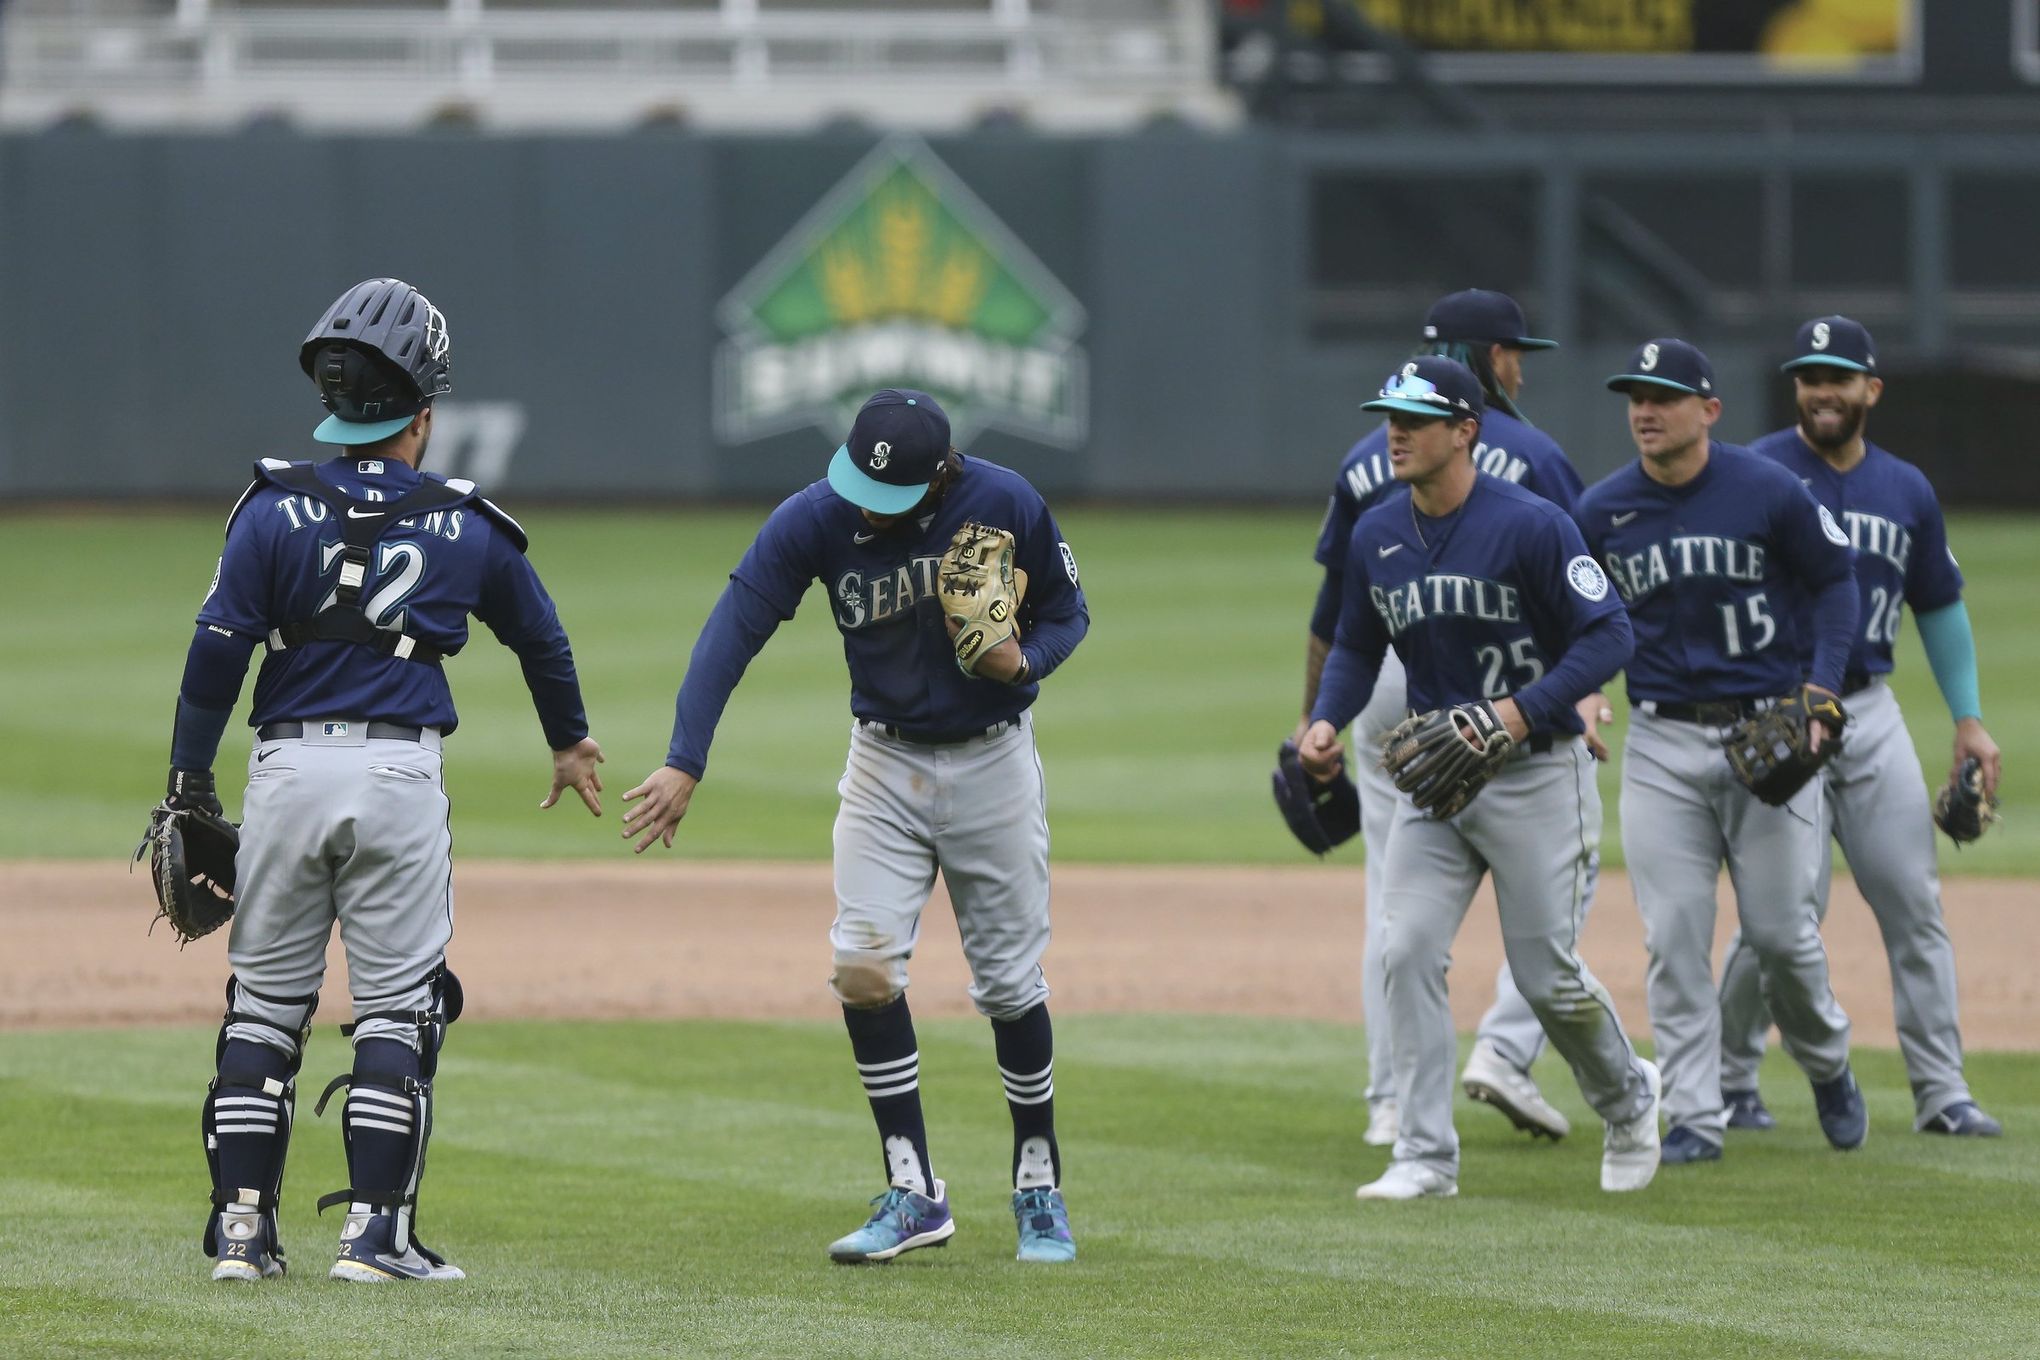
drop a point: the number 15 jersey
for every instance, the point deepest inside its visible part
(1711, 570)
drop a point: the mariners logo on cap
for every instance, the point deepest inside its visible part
(881, 454)
(1650, 353)
(1820, 334)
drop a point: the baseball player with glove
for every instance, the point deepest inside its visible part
(1875, 795)
(1485, 331)
(956, 596)
(357, 575)
(1708, 545)
(1503, 624)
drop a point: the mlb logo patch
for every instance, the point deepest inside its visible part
(335, 729)
(369, 467)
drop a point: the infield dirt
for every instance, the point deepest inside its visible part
(685, 939)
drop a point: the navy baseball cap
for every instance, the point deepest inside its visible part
(1482, 315)
(1431, 385)
(896, 446)
(1835, 341)
(1667, 363)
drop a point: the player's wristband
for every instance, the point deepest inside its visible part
(1020, 676)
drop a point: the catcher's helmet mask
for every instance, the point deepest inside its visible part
(379, 356)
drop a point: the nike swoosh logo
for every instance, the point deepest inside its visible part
(261, 756)
(352, 513)
(1619, 520)
(1392, 548)
(862, 538)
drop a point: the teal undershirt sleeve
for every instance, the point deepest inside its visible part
(1951, 652)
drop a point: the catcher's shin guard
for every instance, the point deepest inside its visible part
(386, 1122)
(246, 1120)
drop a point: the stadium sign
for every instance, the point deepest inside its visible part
(901, 277)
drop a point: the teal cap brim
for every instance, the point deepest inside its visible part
(865, 491)
(1810, 360)
(1531, 342)
(1414, 408)
(1622, 381)
(333, 430)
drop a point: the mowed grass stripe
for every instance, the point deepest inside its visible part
(1157, 738)
(628, 1189)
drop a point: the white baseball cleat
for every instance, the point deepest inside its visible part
(1409, 1180)
(1384, 1123)
(1629, 1151)
(1494, 1080)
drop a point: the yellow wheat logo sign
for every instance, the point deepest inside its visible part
(901, 277)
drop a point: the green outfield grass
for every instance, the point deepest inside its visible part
(669, 1189)
(1157, 736)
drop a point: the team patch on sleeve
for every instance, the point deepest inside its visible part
(1069, 560)
(1587, 579)
(1832, 529)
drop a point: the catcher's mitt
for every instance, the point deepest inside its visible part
(1322, 815)
(1442, 759)
(1963, 809)
(1771, 753)
(979, 591)
(191, 849)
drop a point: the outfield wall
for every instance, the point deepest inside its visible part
(1174, 314)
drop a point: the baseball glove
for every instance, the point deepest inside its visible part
(1444, 758)
(1771, 752)
(978, 590)
(1963, 809)
(1322, 815)
(191, 849)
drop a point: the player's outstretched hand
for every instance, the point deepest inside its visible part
(666, 793)
(1972, 740)
(1320, 751)
(574, 768)
(1594, 711)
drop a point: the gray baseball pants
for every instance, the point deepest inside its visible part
(1684, 814)
(341, 828)
(977, 812)
(1535, 828)
(1876, 802)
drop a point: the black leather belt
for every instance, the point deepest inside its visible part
(1855, 682)
(1718, 714)
(1538, 745)
(377, 731)
(916, 737)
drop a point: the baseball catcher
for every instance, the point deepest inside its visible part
(1775, 753)
(1964, 809)
(1442, 759)
(980, 591)
(191, 848)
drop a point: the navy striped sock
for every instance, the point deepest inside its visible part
(1026, 1053)
(889, 1064)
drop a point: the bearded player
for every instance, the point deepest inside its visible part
(1876, 793)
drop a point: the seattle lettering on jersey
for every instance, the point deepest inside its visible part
(1682, 557)
(1445, 595)
(862, 601)
(1878, 536)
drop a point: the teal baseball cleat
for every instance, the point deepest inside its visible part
(902, 1220)
(1044, 1222)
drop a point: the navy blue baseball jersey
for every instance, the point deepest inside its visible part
(1497, 599)
(426, 576)
(1508, 449)
(1710, 571)
(881, 588)
(1888, 509)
